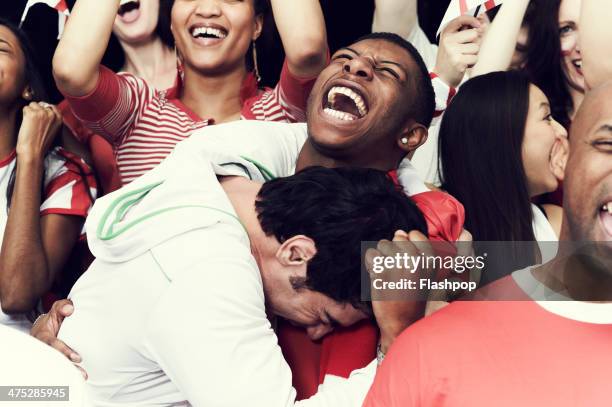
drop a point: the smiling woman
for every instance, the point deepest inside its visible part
(214, 85)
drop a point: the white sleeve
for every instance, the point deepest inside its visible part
(210, 335)
(428, 51)
(259, 150)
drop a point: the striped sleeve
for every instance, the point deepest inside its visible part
(70, 186)
(444, 94)
(285, 103)
(114, 105)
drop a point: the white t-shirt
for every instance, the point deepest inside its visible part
(172, 311)
(428, 51)
(65, 192)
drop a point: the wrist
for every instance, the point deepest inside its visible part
(28, 157)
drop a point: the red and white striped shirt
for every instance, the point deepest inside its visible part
(145, 124)
(69, 188)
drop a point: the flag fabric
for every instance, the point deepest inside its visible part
(458, 8)
(60, 5)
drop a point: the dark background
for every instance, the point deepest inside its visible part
(346, 21)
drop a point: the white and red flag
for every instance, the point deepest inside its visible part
(60, 5)
(474, 8)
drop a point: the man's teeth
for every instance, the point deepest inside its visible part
(607, 208)
(338, 114)
(361, 106)
(215, 32)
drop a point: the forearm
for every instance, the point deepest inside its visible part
(396, 16)
(302, 30)
(23, 265)
(500, 41)
(82, 46)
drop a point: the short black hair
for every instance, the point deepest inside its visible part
(338, 208)
(423, 106)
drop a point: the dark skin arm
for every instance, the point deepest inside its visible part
(33, 249)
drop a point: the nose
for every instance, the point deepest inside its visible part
(359, 66)
(208, 8)
(560, 130)
(318, 331)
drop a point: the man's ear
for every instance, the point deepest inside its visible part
(413, 137)
(559, 156)
(296, 251)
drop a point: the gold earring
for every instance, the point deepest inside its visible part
(27, 95)
(255, 65)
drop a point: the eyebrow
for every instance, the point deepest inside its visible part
(400, 66)
(605, 128)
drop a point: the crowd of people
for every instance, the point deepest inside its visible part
(185, 235)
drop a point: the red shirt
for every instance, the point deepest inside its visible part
(497, 353)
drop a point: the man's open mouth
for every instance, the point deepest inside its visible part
(605, 215)
(208, 32)
(344, 103)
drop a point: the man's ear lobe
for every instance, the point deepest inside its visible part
(296, 251)
(412, 138)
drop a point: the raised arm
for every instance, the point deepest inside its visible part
(33, 248)
(499, 43)
(77, 58)
(302, 30)
(396, 16)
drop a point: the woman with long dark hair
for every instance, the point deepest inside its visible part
(547, 50)
(45, 192)
(213, 39)
(499, 147)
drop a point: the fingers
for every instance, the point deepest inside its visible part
(462, 21)
(464, 37)
(64, 349)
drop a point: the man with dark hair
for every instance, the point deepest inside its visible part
(543, 336)
(371, 108)
(215, 258)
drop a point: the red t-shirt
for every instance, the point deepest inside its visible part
(498, 353)
(144, 124)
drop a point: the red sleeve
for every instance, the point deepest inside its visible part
(70, 186)
(113, 106)
(80, 132)
(445, 215)
(285, 103)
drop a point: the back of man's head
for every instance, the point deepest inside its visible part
(337, 208)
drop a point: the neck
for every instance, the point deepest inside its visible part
(152, 61)
(8, 132)
(579, 270)
(242, 193)
(310, 156)
(577, 98)
(216, 97)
